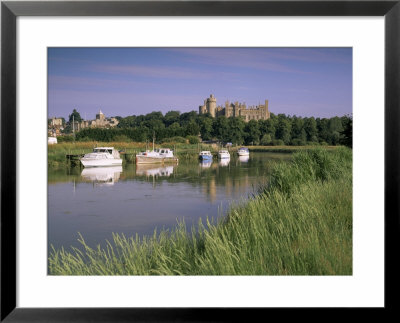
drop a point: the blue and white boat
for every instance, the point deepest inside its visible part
(243, 151)
(205, 155)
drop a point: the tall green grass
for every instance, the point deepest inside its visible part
(299, 224)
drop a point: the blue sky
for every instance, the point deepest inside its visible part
(131, 81)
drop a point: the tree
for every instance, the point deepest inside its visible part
(283, 130)
(74, 116)
(205, 123)
(310, 126)
(346, 137)
(252, 132)
(266, 139)
(236, 130)
(171, 117)
(221, 128)
(192, 129)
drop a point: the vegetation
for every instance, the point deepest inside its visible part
(278, 130)
(300, 223)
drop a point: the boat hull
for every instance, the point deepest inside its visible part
(155, 160)
(205, 158)
(101, 162)
(224, 156)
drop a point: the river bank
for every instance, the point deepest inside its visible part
(56, 154)
(299, 223)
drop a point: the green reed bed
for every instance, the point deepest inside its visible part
(300, 223)
(285, 149)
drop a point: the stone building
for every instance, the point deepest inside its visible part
(102, 122)
(236, 109)
(56, 122)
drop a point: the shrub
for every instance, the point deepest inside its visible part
(266, 140)
(65, 138)
(193, 140)
(298, 142)
(176, 139)
(278, 142)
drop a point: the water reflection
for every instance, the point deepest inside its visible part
(224, 162)
(145, 197)
(205, 164)
(152, 170)
(102, 176)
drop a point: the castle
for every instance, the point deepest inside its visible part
(259, 112)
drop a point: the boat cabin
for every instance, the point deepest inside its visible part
(107, 150)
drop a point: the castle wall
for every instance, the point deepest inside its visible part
(236, 109)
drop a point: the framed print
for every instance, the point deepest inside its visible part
(124, 61)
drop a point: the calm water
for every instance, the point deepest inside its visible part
(138, 199)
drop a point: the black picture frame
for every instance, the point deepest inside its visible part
(10, 10)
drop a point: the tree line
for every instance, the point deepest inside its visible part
(280, 129)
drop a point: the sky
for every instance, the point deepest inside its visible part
(132, 81)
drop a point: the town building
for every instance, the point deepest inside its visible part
(56, 124)
(236, 109)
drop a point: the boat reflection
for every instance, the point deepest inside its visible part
(205, 164)
(150, 170)
(102, 175)
(224, 162)
(243, 159)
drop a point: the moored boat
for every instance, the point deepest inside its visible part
(205, 155)
(243, 151)
(161, 155)
(102, 156)
(224, 154)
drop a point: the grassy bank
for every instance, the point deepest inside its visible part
(286, 149)
(300, 223)
(57, 153)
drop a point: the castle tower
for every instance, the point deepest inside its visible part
(100, 116)
(267, 115)
(236, 110)
(212, 105)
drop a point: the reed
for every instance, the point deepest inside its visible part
(300, 223)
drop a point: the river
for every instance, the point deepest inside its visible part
(134, 199)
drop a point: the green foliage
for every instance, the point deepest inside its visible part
(193, 140)
(74, 116)
(278, 130)
(176, 140)
(278, 142)
(347, 133)
(65, 138)
(266, 140)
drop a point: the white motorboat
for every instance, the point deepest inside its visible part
(243, 151)
(224, 154)
(161, 155)
(205, 155)
(102, 156)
